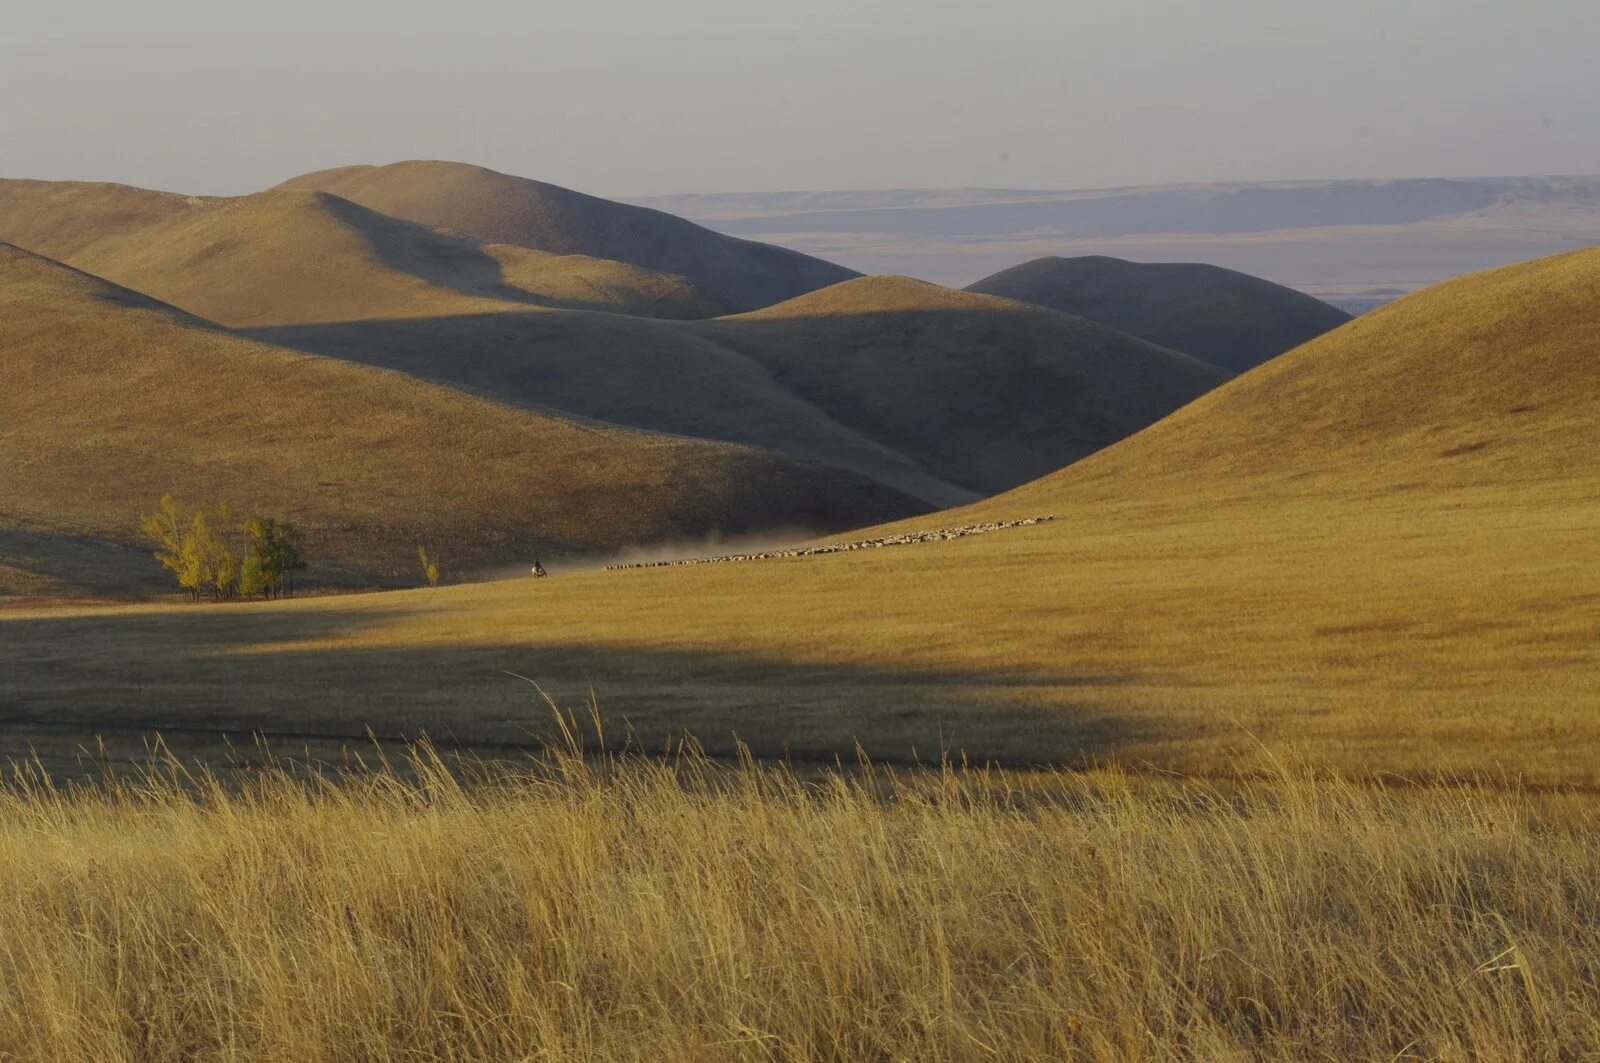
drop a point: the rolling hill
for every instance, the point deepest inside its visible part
(984, 392)
(645, 374)
(1488, 381)
(497, 208)
(290, 257)
(1377, 552)
(939, 395)
(1218, 315)
(114, 398)
(944, 395)
(63, 219)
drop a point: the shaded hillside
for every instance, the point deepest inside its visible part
(941, 394)
(115, 398)
(1218, 315)
(938, 395)
(984, 392)
(645, 374)
(497, 208)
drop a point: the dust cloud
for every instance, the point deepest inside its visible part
(712, 544)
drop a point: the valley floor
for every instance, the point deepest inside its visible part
(1345, 628)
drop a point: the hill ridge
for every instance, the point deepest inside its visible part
(495, 207)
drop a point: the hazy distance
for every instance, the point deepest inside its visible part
(631, 98)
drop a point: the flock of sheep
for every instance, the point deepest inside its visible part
(902, 539)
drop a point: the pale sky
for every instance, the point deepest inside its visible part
(637, 97)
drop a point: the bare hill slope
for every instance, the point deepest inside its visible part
(646, 374)
(1218, 315)
(114, 398)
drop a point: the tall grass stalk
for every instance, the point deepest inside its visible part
(673, 908)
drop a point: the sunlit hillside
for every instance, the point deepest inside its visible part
(499, 208)
(279, 258)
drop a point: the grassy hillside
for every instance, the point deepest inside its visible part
(984, 392)
(939, 393)
(290, 257)
(942, 395)
(1218, 315)
(1379, 549)
(646, 374)
(497, 208)
(1482, 382)
(63, 219)
(114, 398)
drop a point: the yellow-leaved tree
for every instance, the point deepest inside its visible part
(176, 548)
(430, 565)
(210, 551)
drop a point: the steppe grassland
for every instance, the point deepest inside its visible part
(1344, 626)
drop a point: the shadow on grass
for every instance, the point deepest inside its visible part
(283, 674)
(80, 563)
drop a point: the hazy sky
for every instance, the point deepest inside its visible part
(644, 96)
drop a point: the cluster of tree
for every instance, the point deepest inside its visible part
(211, 551)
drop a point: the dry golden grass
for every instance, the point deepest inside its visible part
(113, 399)
(64, 219)
(1349, 629)
(674, 910)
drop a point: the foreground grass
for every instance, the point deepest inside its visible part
(666, 910)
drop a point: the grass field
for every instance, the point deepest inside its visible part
(1379, 549)
(1374, 560)
(674, 910)
(1463, 644)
